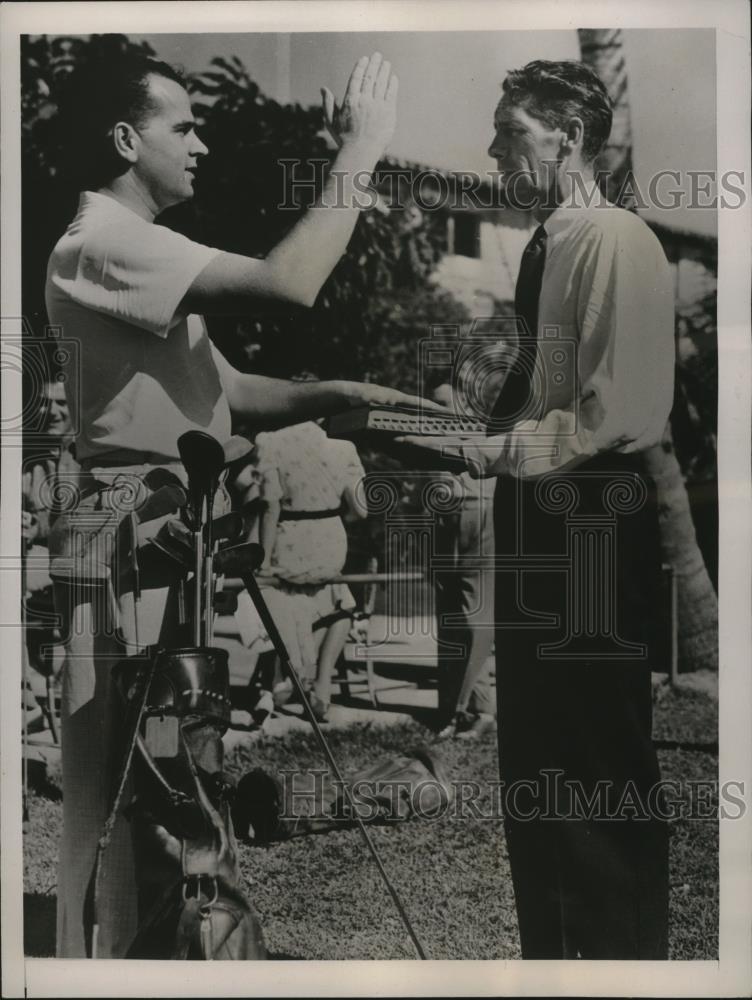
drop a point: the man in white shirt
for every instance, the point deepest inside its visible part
(132, 293)
(576, 539)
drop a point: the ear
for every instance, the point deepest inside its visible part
(126, 140)
(574, 135)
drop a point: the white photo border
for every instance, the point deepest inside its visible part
(732, 974)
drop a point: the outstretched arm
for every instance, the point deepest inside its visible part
(625, 369)
(276, 402)
(298, 266)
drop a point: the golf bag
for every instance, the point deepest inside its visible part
(176, 708)
(191, 900)
(191, 903)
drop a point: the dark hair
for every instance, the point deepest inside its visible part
(94, 99)
(553, 92)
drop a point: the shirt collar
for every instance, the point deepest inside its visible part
(106, 203)
(584, 197)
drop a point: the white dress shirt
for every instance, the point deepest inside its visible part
(605, 347)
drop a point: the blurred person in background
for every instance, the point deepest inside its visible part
(465, 604)
(49, 470)
(308, 486)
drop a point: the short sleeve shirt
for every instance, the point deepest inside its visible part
(304, 469)
(146, 372)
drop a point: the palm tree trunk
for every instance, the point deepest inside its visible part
(601, 49)
(697, 600)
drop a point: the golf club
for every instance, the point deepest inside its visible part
(203, 458)
(243, 561)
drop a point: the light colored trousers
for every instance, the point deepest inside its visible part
(91, 750)
(465, 616)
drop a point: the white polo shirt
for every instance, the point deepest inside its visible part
(147, 373)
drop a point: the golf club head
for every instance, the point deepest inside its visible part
(203, 458)
(174, 540)
(155, 479)
(229, 529)
(235, 448)
(167, 499)
(178, 552)
(239, 559)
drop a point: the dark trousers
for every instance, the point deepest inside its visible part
(587, 847)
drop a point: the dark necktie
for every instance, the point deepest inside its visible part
(513, 402)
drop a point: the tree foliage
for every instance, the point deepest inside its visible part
(379, 302)
(265, 155)
(376, 306)
(48, 199)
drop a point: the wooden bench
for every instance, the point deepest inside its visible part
(357, 655)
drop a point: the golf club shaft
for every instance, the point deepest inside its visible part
(136, 569)
(251, 585)
(197, 588)
(208, 560)
(208, 599)
(203, 458)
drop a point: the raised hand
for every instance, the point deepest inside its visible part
(368, 113)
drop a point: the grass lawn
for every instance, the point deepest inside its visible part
(320, 897)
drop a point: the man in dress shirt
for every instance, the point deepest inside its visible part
(131, 291)
(576, 534)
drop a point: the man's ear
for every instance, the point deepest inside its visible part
(574, 135)
(125, 140)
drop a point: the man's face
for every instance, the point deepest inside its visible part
(55, 405)
(169, 147)
(526, 153)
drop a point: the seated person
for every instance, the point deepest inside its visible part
(48, 462)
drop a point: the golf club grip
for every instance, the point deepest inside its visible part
(198, 565)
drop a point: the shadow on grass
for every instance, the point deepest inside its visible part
(427, 717)
(39, 924)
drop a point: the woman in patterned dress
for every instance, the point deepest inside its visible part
(307, 483)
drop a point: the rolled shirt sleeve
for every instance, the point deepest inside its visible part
(141, 281)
